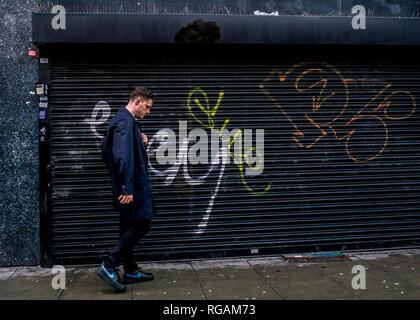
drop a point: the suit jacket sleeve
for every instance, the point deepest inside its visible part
(123, 154)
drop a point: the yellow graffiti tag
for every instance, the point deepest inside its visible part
(207, 121)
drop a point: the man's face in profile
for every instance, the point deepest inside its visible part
(142, 107)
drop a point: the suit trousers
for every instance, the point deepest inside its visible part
(130, 234)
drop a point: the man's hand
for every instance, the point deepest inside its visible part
(125, 199)
(145, 139)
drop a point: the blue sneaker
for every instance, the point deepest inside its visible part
(111, 277)
(136, 276)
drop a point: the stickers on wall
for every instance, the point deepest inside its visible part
(43, 105)
(42, 114)
(41, 89)
(43, 60)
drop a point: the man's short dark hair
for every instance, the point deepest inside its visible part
(141, 92)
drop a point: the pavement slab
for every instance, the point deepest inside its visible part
(179, 283)
(404, 266)
(28, 283)
(233, 281)
(28, 288)
(6, 273)
(380, 285)
(302, 282)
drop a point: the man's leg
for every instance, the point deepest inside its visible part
(132, 273)
(127, 233)
(137, 230)
(108, 271)
(130, 235)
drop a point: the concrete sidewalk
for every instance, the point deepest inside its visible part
(389, 275)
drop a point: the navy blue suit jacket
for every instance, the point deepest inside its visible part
(127, 160)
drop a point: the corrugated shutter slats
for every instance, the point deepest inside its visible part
(349, 179)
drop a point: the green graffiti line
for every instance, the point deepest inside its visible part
(238, 158)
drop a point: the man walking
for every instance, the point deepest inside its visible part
(126, 159)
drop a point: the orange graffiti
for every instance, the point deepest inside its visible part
(324, 91)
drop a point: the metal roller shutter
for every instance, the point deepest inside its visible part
(340, 164)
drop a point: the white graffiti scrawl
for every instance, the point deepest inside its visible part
(103, 110)
(162, 138)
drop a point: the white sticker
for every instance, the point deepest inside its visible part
(43, 60)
